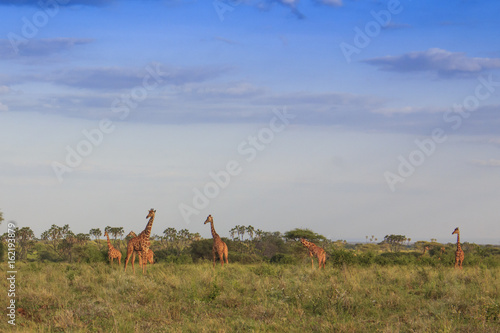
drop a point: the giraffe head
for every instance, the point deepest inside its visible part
(151, 213)
(456, 231)
(303, 241)
(131, 234)
(106, 233)
(209, 219)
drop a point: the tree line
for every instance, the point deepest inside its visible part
(246, 245)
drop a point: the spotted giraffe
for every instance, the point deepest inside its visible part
(315, 250)
(459, 254)
(219, 246)
(141, 243)
(112, 252)
(150, 252)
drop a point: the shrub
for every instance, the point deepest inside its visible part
(281, 258)
(243, 258)
(341, 257)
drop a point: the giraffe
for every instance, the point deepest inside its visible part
(426, 248)
(219, 246)
(315, 250)
(150, 252)
(141, 243)
(112, 252)
(459, 254)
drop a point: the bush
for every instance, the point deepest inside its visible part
(281, 258)
(201, 249)
(91, 254)
(366, 258)
(342, 257)
(243, 258)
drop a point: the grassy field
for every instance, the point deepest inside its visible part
(61, 297)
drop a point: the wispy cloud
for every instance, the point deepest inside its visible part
(36, 3)
(39, 48)
(436, 60)
(113, 78)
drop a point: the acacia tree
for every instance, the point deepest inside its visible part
(308, 234)
(25, 239)
(96, 233)
(55, 236)
(395, 241)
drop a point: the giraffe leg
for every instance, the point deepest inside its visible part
(129, 253)
(225, 253)
(213, 254)
(144, 260)
(221, 257)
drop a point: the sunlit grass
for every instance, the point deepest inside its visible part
(60, 297)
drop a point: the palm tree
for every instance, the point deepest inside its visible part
(250, 231)
(232, 233)
(240, 229)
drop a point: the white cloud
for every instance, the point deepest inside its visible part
(443, 62)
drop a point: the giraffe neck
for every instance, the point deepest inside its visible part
(147, 231)
(109, 243)
(309, 245)
(214, 234)
(459, 248)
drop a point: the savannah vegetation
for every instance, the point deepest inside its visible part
(65, 284)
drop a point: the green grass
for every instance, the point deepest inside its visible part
(61, 297)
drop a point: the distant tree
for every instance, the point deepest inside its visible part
(240, 229)
(308, 234)
(233, 233)
(395, 241)
(250, 231)
(96, 233)
(259, 234)
(269, 244)
(82, 239)
(55, 236)
(170, 234)
(25, 239)
(116, 231)
(1, 217)
(67, 245)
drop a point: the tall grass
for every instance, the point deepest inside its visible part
(60, 297)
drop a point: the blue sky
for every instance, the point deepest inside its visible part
(351, 118)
